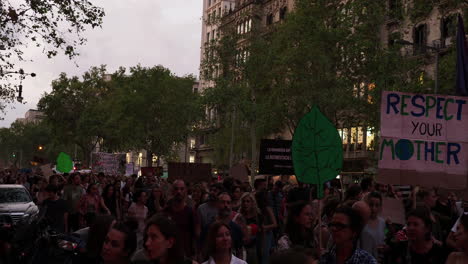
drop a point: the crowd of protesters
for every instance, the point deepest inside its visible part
(147, 219)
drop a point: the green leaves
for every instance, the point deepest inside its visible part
(317, 150)
(41, 23)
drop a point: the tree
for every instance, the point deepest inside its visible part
(74, 112)
(23, 143)
(54, 25)
(152, 109)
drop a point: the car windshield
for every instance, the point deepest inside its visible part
(14, 195)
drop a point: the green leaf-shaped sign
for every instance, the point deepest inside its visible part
(64, 163)
(317, 150)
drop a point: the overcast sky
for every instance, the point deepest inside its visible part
(149, 32)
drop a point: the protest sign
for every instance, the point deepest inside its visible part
(108, 163)
(424, 140)
(275, 157)
(240, 172)
(394, 210)
(47, 171)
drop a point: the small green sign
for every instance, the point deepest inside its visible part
(317, 150)
(64, 163)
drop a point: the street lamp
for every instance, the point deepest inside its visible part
(435, 49)
(22, 77)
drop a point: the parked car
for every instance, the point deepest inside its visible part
(17, 204)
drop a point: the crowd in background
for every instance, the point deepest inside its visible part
(147, 219)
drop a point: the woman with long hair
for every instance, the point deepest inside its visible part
(299, 227)
(162, 245)
(119, 245)
(219, 245)
(156, 201)
(109, 195)
(250, 220)
(346, 226)
(91, 204)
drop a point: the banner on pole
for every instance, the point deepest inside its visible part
(109, 163)
(424, 140)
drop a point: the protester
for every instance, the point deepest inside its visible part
(219, 245)
(72, 195)
(56, 211)
(428, 198)
(353, 193)
(346, 226)
(367, 186)
(183, 216)
(375, 226)
(139, 212)
(162, 245)
(226, 215)
(91, 205)
(461, 243)
(236, 195)
(420, 246)
(208, 211)
(119, 245)
(94, 237)
(299, 227)
(41, 193)
(268, 225)
(156, 201)
(250, 220)
(111, 200)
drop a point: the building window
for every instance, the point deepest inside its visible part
(269, 19)
(449, 27)
(208, 37)
(192, 159)
(209, 3)
(420, 39)
(283, 12)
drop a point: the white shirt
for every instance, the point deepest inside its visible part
(234, 260)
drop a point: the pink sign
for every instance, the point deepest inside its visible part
(423, 140)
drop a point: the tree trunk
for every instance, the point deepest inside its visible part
(253, 139)
(231, 148)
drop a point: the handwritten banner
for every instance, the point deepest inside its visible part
(109, 163)
(423, 140)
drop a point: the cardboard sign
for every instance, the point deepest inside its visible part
(394, 210)
(424, 140)
(275, 157)
(47, 171)
(190, 172)
(239, 172)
